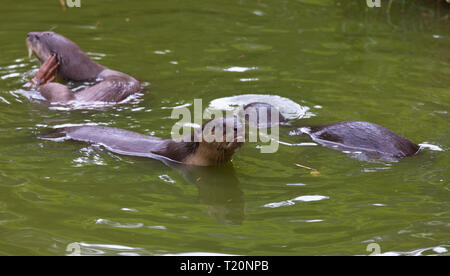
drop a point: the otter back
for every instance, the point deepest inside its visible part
(364, 136)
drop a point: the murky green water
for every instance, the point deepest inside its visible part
(342, 60)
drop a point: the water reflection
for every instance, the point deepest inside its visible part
(399, 15)
(218, 188)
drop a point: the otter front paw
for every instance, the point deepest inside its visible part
(47, 72)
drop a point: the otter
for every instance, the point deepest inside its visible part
(253, 113)
(61, 57)
(358, 137)
(366, 141)
(206, 152)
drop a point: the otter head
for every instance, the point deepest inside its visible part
(74, 63)
(263, 115)
(217, 141)
(37, 45)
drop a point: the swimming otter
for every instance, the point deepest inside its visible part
(366, 141)
(62, 57)
(254, 111)
(186, 150)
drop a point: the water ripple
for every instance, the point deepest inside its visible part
(428, 251)
(119, 224)
(288, 108)
(128, 225)
(305, 198)
(87, 249)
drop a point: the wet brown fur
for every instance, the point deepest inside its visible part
(131, 143)
(75, 65)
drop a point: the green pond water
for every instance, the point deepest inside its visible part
(338, 59)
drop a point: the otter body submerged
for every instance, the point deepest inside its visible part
(186, 151)
(364, 140)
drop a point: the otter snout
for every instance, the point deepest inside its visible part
(31, 37)
(36, 46)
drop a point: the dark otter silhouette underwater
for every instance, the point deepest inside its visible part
(366, 141)
(61, 57)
